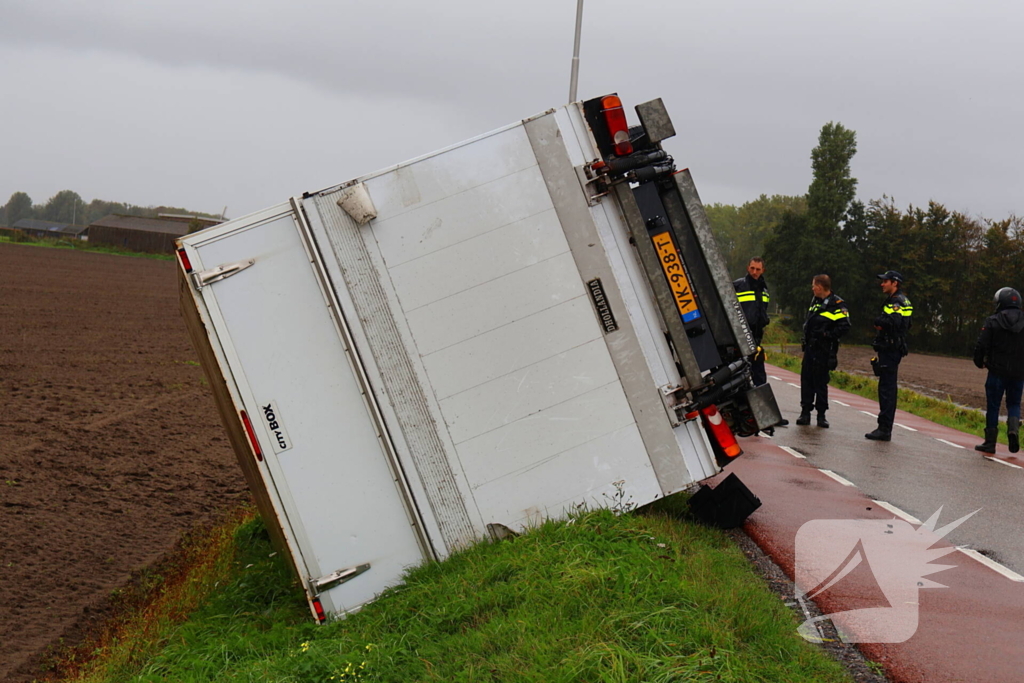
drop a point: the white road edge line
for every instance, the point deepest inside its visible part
(793, 452)
(896, 511)
(844, 482)
(778, 379)
(845, 405)
(950, 443)
(868, 414)
(1003, 462)
(909, 429)
(793, 385)
(992, 564)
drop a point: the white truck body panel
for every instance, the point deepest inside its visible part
(442, 367)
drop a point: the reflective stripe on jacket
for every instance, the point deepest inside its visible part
(893, 324)
(827, 321)
(753, 297)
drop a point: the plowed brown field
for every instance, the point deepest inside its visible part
(941, 377)
(110, 445)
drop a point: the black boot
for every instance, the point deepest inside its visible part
(990, 441)
(1012, 427)
(879, 435)
(822, 422)
(804, 419)
(783, 423)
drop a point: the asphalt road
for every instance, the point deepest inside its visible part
(924, 467)
(971, 629)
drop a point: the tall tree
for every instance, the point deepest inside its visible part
(64, 207)
(18, 206)
(805, 245)
(741, 231)
(833, 188)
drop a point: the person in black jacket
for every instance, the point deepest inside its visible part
(1000, 348)
(827, 321)
(890, 347)
(752, 292)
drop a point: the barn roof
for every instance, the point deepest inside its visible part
(115, 220)
(34, 224)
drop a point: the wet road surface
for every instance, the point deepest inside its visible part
(972, 630)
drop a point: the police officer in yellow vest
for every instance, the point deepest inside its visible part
(890, 347)
(752, 293)
(827, 321)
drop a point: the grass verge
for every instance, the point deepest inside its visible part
(600, 597)
(942, 412)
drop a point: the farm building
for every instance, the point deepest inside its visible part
(154, 235)
(37, 228)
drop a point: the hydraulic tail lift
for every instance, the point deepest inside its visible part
(668, 227)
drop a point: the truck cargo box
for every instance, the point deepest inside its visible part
(470, 342)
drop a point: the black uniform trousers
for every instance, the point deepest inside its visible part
(757, 371)
(814, 378)
(888, 368)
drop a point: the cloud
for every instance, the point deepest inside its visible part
(261, 89)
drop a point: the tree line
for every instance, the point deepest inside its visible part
(952, 262)
(68, 206)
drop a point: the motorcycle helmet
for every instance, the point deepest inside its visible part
(1007, 297)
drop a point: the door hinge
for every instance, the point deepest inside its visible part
(594, 185)
(226, 270)
(318, 586)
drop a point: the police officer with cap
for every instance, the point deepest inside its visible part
(890, 346)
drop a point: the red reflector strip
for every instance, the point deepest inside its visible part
(618, 128)
(184, 260)
(720, 431)
(252, 436)
(319, 609)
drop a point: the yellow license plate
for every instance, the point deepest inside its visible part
(672, 265)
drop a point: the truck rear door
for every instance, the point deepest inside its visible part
(339, 495)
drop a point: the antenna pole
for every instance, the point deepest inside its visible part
(574, 78)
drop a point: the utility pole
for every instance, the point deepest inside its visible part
(574, 77)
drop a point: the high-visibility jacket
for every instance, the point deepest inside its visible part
(753, 297)
(827, 321)
(893, 324)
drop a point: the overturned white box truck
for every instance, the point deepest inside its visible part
(471, 341)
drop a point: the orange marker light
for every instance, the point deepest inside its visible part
(618, 128)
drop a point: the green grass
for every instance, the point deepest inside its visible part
(779, 333)
(602, 597)
(78, 245)
(944, 413)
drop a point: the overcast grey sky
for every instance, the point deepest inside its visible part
(211, 103)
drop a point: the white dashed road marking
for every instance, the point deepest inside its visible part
(844, 482)
(909, 429)
(868, 414)
(1003, 462)
(950, 443)
(793, 385)
(992, 564)
(793, 452)
(845, 405)
(896, 511)
(777, 379)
